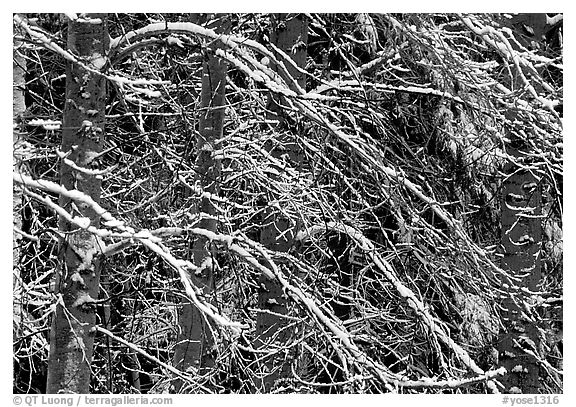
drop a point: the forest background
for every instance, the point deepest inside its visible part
(332, 309)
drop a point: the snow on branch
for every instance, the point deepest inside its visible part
(411, 299)
(498, 41)
(144, 237)
(95, 67)
(234, 44)
(148, 356)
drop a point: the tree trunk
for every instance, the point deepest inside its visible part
(195, 342)
(521, 241)
(78, 275)
(290, 34)
(18, 109)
